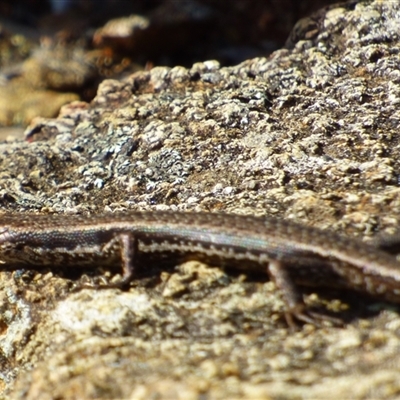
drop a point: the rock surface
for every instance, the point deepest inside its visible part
(48, 59)
(309, 134)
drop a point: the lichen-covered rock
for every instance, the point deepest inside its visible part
(310, 134)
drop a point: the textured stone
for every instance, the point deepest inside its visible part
(310, 134)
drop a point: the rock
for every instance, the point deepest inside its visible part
(315, 126)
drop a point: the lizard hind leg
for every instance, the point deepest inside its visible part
(295, 307)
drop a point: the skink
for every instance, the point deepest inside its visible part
(290, 253)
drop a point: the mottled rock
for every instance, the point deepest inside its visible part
(310, 134)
